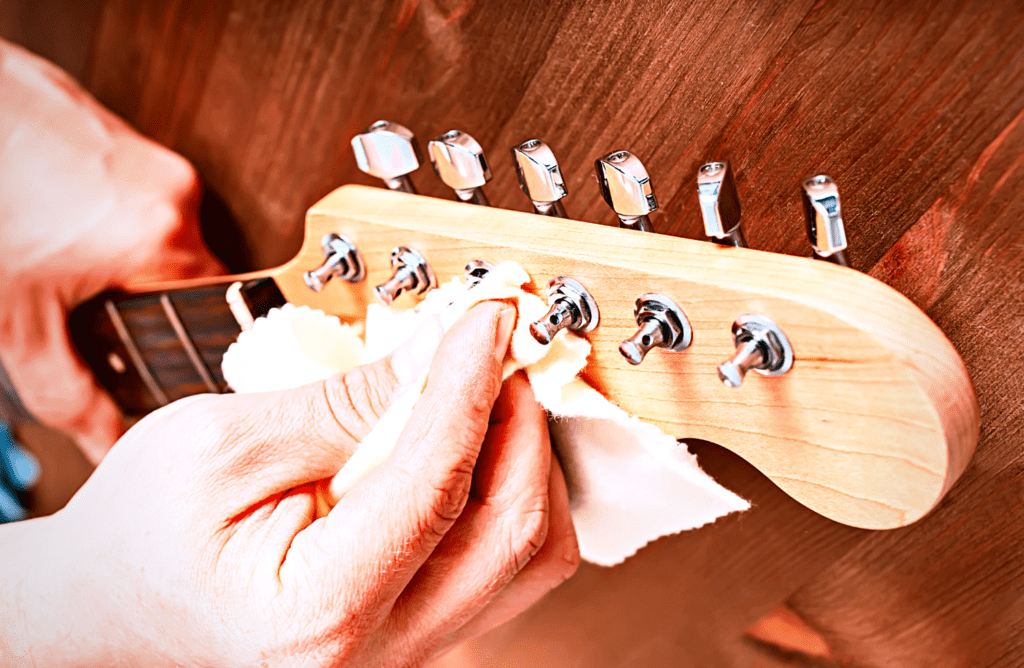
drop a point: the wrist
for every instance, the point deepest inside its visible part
(47, 616)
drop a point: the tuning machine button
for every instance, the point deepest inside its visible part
(475, 271)
(539, 177)
(572, 307)
(341, 260)
(412, 273)
(626, 187)
(760, 345)
(824, 219)
(390, 152)
(662, 325)
(460, 163)
(720, 204)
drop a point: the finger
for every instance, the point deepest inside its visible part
(169, 203)
(52, 382)
(555, 562)
(383, 529)
(504, 525)
(281, 440)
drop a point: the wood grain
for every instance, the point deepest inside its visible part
(874, 422)
(905, 104)
(957, 580)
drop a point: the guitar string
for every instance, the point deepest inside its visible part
(188, 344)
(133, 353)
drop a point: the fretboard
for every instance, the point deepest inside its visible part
(149, 349)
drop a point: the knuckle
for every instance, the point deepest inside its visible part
(436, 504)
(529, 531)
(358, 398)
(180, 175)
(569, 556)
(447, 498)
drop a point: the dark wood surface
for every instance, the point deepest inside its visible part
(913, 107)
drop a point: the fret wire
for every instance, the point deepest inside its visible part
(133, 353)
(187, 343)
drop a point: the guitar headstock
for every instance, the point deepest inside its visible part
(871, 423)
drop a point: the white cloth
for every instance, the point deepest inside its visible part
(629, 483)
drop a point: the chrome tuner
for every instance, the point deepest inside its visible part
(475, 271)
(460, 163)
(412, 273)
(761, 346)
(627, 188)
(341, 260)
(825, 220)
(572, 307)
(390, 152)
(539, 177)
(720, 204)
(662, 325)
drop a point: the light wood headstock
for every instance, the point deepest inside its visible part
(872, 425)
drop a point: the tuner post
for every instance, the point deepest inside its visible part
(475, 272)
(539, 177)
(627, 189)
(390, 152)
(720, 204)
(572, 308)
(824, 218)
(662, 325)
(342, 259)
(460, 163)
(412, 273)
(760, 345)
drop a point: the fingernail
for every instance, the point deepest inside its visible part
(506, 323)
(412, 359)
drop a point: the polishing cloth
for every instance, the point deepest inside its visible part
(629, 482)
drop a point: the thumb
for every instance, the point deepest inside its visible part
(392, 519)
(306, 434)
(49, 378)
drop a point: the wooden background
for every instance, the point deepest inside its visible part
(914, 107)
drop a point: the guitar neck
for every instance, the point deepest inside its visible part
(150, 348)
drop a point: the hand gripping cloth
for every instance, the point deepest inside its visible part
(629, 482)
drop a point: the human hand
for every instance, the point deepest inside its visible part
(86, 204)
(198, 541)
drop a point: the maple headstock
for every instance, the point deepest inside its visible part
(870, 427)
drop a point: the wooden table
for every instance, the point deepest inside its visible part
(915, 108)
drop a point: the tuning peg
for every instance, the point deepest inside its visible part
(341, 259)
(662, 325)
(824, 219)
(760, 345)
(475, 271)
(390, 152)
(626, 187)
(572, 307)
(539, 177)
(411, 273)
(460, 163)
(720, 204)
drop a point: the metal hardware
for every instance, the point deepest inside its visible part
(475, 271)
(390, 152)
(411, 273)
(539, 177)
(662, 325)
(342, 259)
(626, 187)
(720, 204)
(824, 219)
(460, 163)
(572, 307)
(761, 346)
